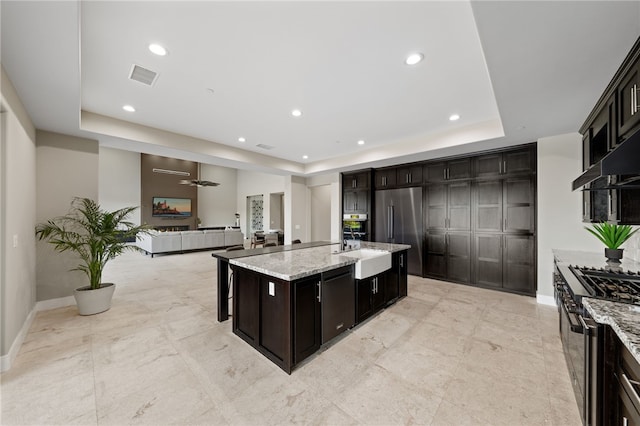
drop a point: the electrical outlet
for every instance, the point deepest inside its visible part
(272, 289)
(15, 240)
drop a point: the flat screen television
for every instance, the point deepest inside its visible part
(171, 207)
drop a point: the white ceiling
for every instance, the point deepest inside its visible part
(514, 71)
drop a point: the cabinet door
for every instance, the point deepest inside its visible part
(436, 206)
(459, 257)
(246, 308)
(519, 264)
(349, 201)
(488, 165)
(459, 206)
(517, 161)
(306, 318)
(364, 290)
(409, 176)
(435, 172)
(356, 201)
(435, 265)
(275, 317)
(401, 260)
(378, 297)
(385, 178)
(488, 260)
(488, 197)
(391, 282)
(629, 110)
(519, 209)
(459, 169)
(356, 180)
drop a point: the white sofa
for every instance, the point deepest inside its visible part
(170, 242)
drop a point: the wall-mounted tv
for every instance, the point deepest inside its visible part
(171, 207)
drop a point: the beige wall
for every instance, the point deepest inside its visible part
(559, 209)
(17, 221)
(320, 212)
(119, 181)
(67, 167)
(217, 204)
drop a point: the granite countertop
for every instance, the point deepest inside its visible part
(623, 318)
(294, 264)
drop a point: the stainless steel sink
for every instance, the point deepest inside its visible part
(370, 262)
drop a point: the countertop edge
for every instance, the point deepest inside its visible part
(621, 318)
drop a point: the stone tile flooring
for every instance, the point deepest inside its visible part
(445, 355)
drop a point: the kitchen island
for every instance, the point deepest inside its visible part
(287, 303)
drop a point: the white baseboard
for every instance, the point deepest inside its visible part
(44, 305)
(545, 300)
(7, 360)
(60, 302)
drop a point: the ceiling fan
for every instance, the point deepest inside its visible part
(198, 182)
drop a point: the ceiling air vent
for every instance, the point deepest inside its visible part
(143, 75)
(263, 146)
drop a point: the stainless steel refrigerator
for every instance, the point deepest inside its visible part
(399, 221)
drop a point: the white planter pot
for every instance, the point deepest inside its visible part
(94, 301)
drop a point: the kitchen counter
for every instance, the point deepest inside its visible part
(623, 318)
(295, 264)
(287, 304)
(594, 260)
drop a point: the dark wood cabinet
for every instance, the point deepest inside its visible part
(614, 118)
(385, 178)
(399, 263)
(519, 265)
(488, 260)
(626, 385)
(355, 202)
(409, 175)
(448, 206)
(246, 309)
(447, 170)
(307, 320)
(505, 205)
(358, 180)
(275, 318)
(505, 262)
(505, 163)
(629, 110)
(370, 296)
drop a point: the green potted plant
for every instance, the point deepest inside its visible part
(96, 236)
(612, 236)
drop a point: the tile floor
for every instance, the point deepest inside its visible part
(446, 355)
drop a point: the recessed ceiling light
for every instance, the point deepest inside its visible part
(360, 142)
(454, 117)
(305, 156)
(157, 49)
(129, 108)
(414, 58)
(296, 113)
(241, 139)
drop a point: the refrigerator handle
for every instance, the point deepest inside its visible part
(391, 217)
(388, 222)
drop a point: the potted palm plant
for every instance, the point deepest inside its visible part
(613, 236)
(96, 236)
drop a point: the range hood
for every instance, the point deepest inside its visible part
(623, 160)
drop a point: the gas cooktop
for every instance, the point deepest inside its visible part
(610, 284)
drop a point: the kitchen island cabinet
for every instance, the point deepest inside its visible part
(286, 304)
